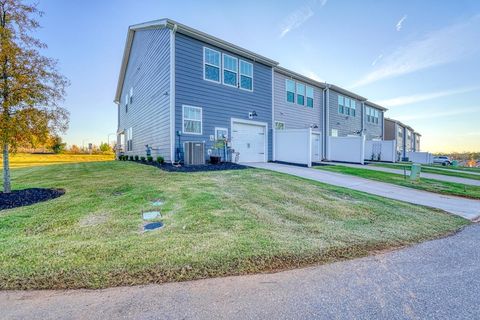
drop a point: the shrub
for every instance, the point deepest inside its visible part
(130, 158)
(142, 159)
(136, 158)
(160, 160)
(149, 158)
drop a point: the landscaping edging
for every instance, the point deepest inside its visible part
(26, 197)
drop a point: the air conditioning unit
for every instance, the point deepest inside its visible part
(194, 153)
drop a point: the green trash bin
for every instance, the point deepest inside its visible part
(455, 163)
(415, 171)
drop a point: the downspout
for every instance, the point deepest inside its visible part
(327, 123)
(172, 95)
(363, 118)
(274, 156)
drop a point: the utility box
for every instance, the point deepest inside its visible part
(194, 153)
(415, 171)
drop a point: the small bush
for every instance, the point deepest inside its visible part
(136, 158)
(130, 158)
(142, 159)
(160, 160)
(149, 159)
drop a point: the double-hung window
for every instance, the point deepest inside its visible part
(192, 120)
(341, 104)
(309, 97)
(290, 87)
(211, 64)
(347, 106)
(300, 94)
(353, 107)
(129, 139)
(230, 70)
(126, 103)
(246, 75)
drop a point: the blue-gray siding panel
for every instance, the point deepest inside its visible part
(148, 73)
(293, 115)
(345, 125)
(219, 102)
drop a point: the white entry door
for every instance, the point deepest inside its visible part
(316, 147)
(250, 141)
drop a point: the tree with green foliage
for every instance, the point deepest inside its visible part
(104, 147)
(31, 87)
(57, 145)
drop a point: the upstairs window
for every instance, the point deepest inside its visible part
(230, 70)
(353, 108)
(309, 97)
(373, 115)
(211, 62)
(126, 103)
(341, 104)
(300, 94)
(347, 106)
(290, 87)
(192, 120)
(129, 139)
(246, 75)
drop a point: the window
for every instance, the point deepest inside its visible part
(230, 70)
(192, 120)
(334, 133)
(290, 87)
(126, 103)
(400, 132)
(279, 125)
(131, 95)
(372, 115)
(129, 139)
(309, 97)
(211, 62)
(353, 108)
(246, 75)
(221, 133)
(300, 94)
(341, 104)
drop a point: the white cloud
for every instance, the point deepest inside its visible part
(441, 114)
(399, 24)
(403, 100)
(377, 59)
(299, 17)
(312, 75)
(439, 47)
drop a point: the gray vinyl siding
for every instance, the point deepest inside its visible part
(389, 127)
(293, 115)
(373, 130)
(346, 125)
(219, 103)
(148, 73)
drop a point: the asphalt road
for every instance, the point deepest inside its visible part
(438, 279)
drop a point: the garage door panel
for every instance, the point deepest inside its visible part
(250, 141)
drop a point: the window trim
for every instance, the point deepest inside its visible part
(206, 63)
(218, 129)
(343, 104)
(275, 124)
(183, 120)
(294, 91)
(304, 92)
(236, 72)
(240, 75)
(312, 97)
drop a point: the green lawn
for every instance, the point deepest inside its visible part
(22, 160)
(433, 169)
(216, 224)
(443, 187)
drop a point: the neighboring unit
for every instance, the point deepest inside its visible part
(407, 140)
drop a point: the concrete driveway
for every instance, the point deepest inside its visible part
(467, 208)
(433, 280)
(426, 175)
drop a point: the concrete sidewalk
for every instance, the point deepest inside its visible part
(426, 175)
(467, 208)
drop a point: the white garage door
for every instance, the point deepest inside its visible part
(250, 141)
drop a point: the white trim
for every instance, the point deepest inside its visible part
(172, 95)
(219, 128)
(183, 120)
(240, 75)
(257, 123)
(294, 91)
(219, 67)
(273, 116)
(223, 70)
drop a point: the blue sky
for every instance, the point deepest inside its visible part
(421, 59)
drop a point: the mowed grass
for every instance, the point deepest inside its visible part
(446, 171)
(216, 224)
(437, 186)
(22, 160)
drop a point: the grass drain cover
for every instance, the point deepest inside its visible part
(150, 215)
(153, 226)
(157, 203)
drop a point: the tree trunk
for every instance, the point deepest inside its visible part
(6, 170)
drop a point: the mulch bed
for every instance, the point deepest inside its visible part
(26, 197)
(199, 168)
